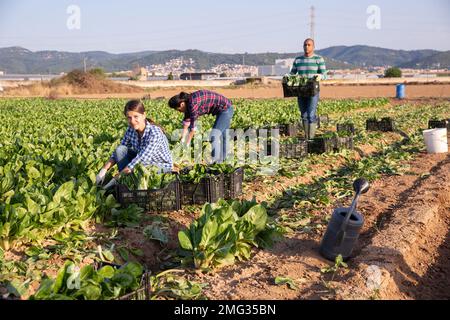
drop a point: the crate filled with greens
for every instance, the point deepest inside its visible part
(385, 124)
(439, 124)
(344, 142)
(323, 144)
(233, 177)
(199, 184)
(331, 142)
(149, 189)
(299, 86)
(289, 129)
(346, 127)
(293, 148)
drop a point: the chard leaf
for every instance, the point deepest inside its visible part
(209, 232)
(89, 292)
(17, 287)
(64, 192)
(106, 272)
(286, 280)
(257, 216)
(185, 242)
(155, 232)
(60, 278)
(133, 268)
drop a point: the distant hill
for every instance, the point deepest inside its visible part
(437, 60)
(206, 60)
(21, 60)
(374, 56)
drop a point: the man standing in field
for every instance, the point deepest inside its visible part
(309, 65)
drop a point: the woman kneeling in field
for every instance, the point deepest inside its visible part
(144, 142)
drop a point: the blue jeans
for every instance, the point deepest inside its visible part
(308, 108)
(123, 156)
(222, 123)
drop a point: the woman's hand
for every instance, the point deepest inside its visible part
(185, 131)
(100, 176)
(126, 170)
(189, 137)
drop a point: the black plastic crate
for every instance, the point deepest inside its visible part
(310, 89)
(244, 130)
(320, 145)
(436, 124)
(289, 130)
(233, 183)
(165, 199)
(385, 125)
(345, 127)
(344, 143)
(209, 189)
(371, 125)
(294, 150)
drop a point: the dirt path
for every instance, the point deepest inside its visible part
(332, 92)
(275, 91)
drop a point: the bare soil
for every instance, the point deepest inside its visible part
(413, 91)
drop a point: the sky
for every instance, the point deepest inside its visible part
(230, 26)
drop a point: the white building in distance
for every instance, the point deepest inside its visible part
(280, 68)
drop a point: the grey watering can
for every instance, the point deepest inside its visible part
(344, 227)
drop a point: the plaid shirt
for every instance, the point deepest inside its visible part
(204, 102)
(151, 149)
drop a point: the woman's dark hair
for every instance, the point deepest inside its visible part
(176, 100)
(134, 105)
(138, 106)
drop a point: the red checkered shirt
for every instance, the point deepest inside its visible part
(204, 102)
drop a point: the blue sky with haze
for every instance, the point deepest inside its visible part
(221, 26)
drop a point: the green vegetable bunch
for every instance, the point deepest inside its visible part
(295, 80)
(199, 171)
(225, 232)
(145, 178)
(86, 283)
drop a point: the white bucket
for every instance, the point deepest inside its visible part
(436, 140)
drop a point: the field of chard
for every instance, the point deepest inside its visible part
(62, 237)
